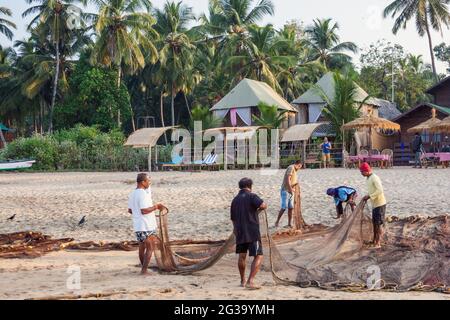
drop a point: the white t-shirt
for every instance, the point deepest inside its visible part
(142, 199)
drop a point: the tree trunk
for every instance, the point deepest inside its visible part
(41, 116)
(162, 113)
(55, 87)
(187, 105)
(430, 43)
(119, 81)
(173, 107)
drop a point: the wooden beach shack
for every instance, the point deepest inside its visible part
(239, 106)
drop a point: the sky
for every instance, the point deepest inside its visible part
(360, 21)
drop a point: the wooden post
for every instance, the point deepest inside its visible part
(156, 156)
(304, 153)
(225, 156)
(149, 158)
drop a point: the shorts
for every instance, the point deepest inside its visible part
(253, 248)
(141, 236)
(326, 156)
(287, 200)
(378, 215)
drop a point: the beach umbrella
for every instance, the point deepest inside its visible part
(442, 127)
(371, 122)
(427, 125)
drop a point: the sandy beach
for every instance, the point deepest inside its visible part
(53, 203)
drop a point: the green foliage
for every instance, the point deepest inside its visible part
(342, 108)
(206, 117)
(80, 148)
(411, 76)
(93, 100)
(269, 116)
(442, 52)
(44, 149)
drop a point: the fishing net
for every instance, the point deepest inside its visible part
(415, 253)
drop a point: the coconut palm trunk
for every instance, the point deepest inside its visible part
(172, 106)
(187, 105)
(55, 87)
(119, 81)
(430, 43)
(161, 102)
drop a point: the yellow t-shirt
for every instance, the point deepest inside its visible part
(290, 171)
(375, 189)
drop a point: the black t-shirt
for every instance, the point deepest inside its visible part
(244, 214)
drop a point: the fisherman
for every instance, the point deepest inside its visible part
(290, 181)
(376, 195)
(245, 209)
(341, 195)
(140, 206)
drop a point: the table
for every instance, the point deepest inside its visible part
(381, 158)
(443, 158)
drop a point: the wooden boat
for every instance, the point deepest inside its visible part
(16, 164)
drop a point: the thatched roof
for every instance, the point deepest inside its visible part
(327, 84)
(442, 127)
(147, 137)
(370, 121)
(427, 125)
(301, 132)
(249, 93)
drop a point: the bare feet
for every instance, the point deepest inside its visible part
(146, 273)
(243, 284)
(252, 286)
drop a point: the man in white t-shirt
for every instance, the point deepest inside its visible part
(140, 206)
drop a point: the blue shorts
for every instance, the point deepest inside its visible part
(287, 200)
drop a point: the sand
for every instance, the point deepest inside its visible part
(53, 203)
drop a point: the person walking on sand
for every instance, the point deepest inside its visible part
(290, 181)
(326, 152)
(417, 146)
(376, 195)
(140, 206)
(245, 209)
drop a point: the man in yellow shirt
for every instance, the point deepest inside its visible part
(376, 195)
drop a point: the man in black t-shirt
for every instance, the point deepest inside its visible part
(244, 215)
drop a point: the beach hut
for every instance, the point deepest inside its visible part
(225, 136)
(147, 138)
(237, 108)
(371, 122)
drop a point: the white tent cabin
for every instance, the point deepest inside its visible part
(237, 108)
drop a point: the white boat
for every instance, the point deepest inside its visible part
(16, 164)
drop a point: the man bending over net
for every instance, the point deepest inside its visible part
(140, 206)
(343, 195)
(245, 209)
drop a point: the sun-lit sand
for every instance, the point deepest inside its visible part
(199, 209)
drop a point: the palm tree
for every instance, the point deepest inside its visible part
(124, 36)
(269, 117)
(342, 108)
(260, 60)
(206, 117)
(325, 43)
(53, 17)
(177, 51)
(5, 24)
(428, 14)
